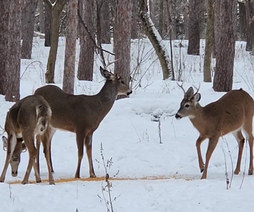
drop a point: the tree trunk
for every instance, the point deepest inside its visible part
(70, 46)
(56, 11)
(42, 16)
(103, 15)
(209, 42)
(28, 19)
(194, 27)
(135, 20)
(48, 21)
(122, 39)
(14, 51)
(86, 56)
(4, 17)
(250, 28)
(242, 20)
(223, 78)
(155, 40)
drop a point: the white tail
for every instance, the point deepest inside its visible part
(233, 113)
(27, 119)
(82, 114)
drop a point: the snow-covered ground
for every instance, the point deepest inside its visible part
(154, 167)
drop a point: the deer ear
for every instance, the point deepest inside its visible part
(197, 97)
(4, 139)
(105, 73)
(189, 92)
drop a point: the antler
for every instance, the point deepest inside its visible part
(181, 86)
(110, 62)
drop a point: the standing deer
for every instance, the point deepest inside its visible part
(82, 114)
(233, 113)
(27, 119)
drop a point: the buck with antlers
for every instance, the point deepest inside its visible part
(27, 119)
(233, 113)
(82, 114)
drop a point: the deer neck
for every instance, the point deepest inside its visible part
(108, 94)
(198, 117)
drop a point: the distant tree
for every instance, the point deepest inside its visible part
(56, 9)
(209, 42)
(242, 20)
(70, 46)
(155, 39)
(4, 17)
(47, 23)
(194, 26)
(103, 21)
(122, 38)
(27, 28)
(14, 51)
(250, 26)
(226, 36)
(87, 36)
(41, 16)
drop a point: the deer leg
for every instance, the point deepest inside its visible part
(200, 159)
(80, 144)
(88, 143)
(248, 132)
(45, 142)
(211, 146)
(38, 144)
(29, 142)
(240, 139)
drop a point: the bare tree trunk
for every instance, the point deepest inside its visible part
(27, 25)
(48, 21)
(135, 20)
(194, 27)
(242, 20)
(209, 42)
(103, 15)
(42, 16)
(56, 11)
(250, 25)
(14, 50)
(186, 19)
(4, 17)
(86, 56)
(122, 38)
(223, 78)
(70, 46)
(155, 40)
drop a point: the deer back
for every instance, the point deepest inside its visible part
(70, 112)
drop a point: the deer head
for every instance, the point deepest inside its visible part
(15, 159)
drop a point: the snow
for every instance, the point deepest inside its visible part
(150, 176)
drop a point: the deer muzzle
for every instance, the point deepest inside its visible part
(178, 116)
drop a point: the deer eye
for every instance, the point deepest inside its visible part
(187, 105)
(122, 81)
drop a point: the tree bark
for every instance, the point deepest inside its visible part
(27, 25)
(122, 39)
(226, 36)
(14, 51)
(48, 21)
(155, 40)
(209, 42)
(194, 27)
(42, 16)
(56, 11)
(103, 15)
(4, 17)
(70, 46)
(86, 56)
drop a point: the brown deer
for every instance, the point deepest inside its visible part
(82, 114)
(27, 119)
(233, 113)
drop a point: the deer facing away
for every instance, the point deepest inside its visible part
(82, 114)
(233, 113)
(27, 119)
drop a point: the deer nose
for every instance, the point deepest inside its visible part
(129, 92)
(14, 173)
(177, 116)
